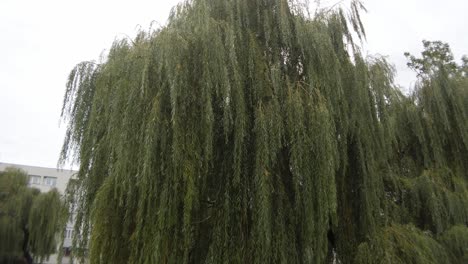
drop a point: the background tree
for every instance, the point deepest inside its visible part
(425, 184)
(245, 131)
(29, 220)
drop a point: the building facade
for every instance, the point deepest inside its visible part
(46, 179)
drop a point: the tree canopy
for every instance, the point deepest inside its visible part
(29, 220)
(246, 131)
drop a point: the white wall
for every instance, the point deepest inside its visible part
(62, 176)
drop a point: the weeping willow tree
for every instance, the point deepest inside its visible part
(246, 131)
(29, 220)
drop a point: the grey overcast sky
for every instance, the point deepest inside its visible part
(41, 41)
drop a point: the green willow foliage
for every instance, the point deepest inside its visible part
(246, 132)
(29, 220)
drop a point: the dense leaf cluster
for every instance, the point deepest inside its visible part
(245, 131)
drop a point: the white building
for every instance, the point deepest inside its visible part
(45, 179)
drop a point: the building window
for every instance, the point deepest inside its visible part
(68, 233)
(34, 179)
(50, 181)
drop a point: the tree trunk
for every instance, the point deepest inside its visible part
(26, 254)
